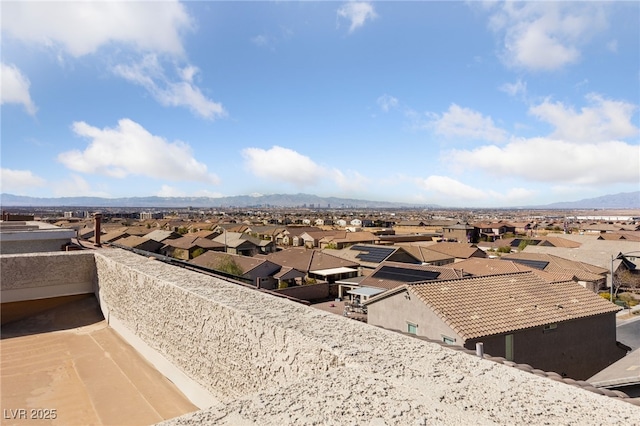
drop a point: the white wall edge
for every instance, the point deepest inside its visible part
(45, 292)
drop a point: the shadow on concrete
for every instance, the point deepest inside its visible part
(50, 315)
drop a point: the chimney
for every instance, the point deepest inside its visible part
(97, 217)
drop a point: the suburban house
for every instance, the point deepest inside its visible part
(140, 243)
(563, 328)
(344, 239)
(210, 235)
(389, 275)
(426, 256)
(590, 276)
(459, 251)
(463, 233)
(621, 235)
(259, 272)
(314, 264)
(244, 244)
(112, 236)
(160, 235)
(515, 243)
(481, 267)
(291, 235)
(494, 230)
(188, 247)
(311, 239)
(369, 256)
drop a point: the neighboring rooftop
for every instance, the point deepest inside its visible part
(506, 303)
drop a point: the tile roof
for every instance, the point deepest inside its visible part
(189, 242)
(425, 255)
(457, 250)
(480, 266)
(497, 304)
(390, 275)
(557, 263)
(308, 260)
(212, 260)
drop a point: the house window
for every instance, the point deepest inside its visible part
(508, 347)
(412, 328)
(549, 328)
(448, 340)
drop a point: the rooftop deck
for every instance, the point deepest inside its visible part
(69, 360)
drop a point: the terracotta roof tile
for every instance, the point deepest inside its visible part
(482, 306)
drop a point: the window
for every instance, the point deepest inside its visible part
(448, 340)
(549, 327)
(412, 328)
(508, 349)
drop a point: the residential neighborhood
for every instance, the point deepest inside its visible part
(532, 289)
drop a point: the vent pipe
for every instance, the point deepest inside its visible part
(97, 217)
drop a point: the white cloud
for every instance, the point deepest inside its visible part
(452, 188)
(546, 35)
(81, 28)
(603, 120)
(519, 88)
(14, 181)
(149, 28)
(466, 123)
(350, 181)
(260, 40)
(150, 74)
(284, 165)
(170, 191)
(75, 186)
(14, 88)
(387, 102)
(129, 149)
(552, 160)
(207, 193)
(357, 13)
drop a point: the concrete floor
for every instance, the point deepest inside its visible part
(69, 360)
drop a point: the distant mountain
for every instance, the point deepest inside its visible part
(628, 200)
(623, 200)
(273, 200)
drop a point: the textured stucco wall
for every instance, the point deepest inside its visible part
(272, 361)
(231, 340)
(44, 275)
(33, 246)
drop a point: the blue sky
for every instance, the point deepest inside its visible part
(462, 104)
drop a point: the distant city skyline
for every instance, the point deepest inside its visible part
(483, 104)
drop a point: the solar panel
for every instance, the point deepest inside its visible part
(537, 264)
(405, 275)
(373, 254)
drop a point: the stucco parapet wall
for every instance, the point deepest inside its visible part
(42, 275)
(272, 361)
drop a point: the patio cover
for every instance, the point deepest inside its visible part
(333, 271)
(366, 291)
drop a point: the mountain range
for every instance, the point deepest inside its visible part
(625, 200)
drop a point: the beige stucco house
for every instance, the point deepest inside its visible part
(560, 327)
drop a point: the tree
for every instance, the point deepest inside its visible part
(524, 243)
(625, 279)
(230, 266)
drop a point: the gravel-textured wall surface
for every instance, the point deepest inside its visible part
(37, 270)
(272, 361)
